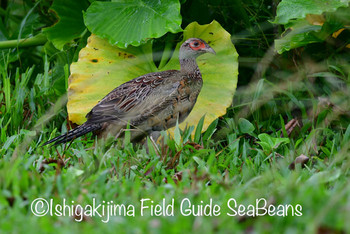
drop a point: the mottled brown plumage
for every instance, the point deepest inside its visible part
(150, 103)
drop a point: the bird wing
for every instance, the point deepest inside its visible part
(136, 99)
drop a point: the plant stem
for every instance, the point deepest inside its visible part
(39, 39)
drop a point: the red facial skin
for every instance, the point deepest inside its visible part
(200, 45)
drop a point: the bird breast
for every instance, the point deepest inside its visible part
(180, 108)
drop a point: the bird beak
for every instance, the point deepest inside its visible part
(210, 50)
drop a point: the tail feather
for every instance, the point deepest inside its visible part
(74, 133)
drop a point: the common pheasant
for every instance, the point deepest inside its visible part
(149, 103)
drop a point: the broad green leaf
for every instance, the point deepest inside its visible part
(268, 143)
(126, 23)
(312, 29)
(266, 147)
(245, 126)
(298, 9)
(102, 67)
(300, 35)
(70, 24)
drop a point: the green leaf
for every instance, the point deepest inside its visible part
(245, 126)
(210, 130)
(177, 136)
(75, 172)
(268, 143)
(324, 177)
(197, 134)
(8, 142)
(312, 29)
(298, 9)
(199, 161)
(70, 24)
(266, 147)
(126, 23)
(301, 35)
(127, 135)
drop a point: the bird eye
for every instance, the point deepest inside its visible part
(196, 45)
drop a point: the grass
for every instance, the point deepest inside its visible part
(295, 104)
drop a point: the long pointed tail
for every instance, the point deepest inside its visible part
(74, 133)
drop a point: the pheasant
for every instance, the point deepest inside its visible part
(149, 103)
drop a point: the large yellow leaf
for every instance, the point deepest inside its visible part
(102, 67)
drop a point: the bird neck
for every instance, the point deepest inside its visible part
(189, 65)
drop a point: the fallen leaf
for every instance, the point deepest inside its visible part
(290, 126)
(302, 159)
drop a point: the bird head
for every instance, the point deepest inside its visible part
(194, 47)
